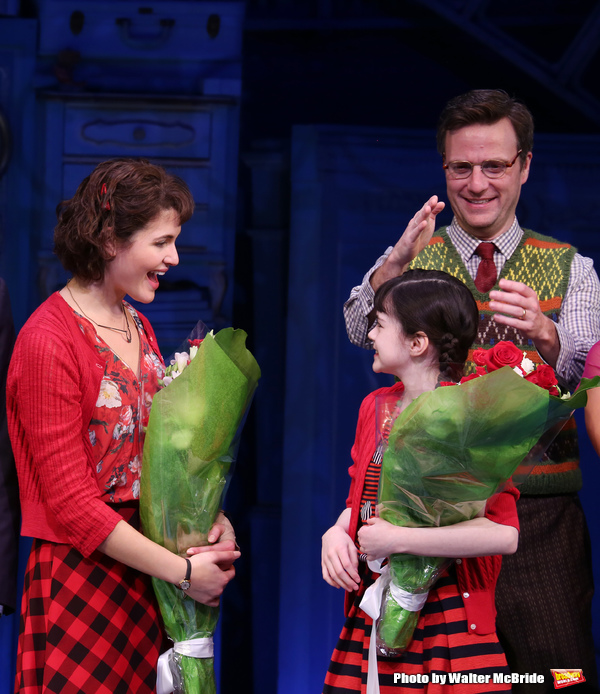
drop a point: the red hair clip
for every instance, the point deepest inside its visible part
(103, 191)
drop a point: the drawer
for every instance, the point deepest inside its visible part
(171, 30)
(148, 131)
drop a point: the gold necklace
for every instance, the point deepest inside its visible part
(126, 332)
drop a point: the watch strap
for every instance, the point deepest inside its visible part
(186, 582)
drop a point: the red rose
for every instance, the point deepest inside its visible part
(195, 343)
(503, 354)
(479, 357)
(544, 377)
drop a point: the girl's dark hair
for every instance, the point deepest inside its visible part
(119, 198)
(437, 304)
(486, 107)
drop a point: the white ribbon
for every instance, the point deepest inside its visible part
(371, 605)
(412, 602)
(195, 648)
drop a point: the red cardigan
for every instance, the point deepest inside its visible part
(477, 577)
(53, 384)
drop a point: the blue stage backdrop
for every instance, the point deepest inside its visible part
(353, 192)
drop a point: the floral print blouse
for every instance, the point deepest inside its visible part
(117, 428)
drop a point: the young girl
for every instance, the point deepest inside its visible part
(426, 322)
(81, 381)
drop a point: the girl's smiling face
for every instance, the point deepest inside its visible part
(392, 346)
(137, 266)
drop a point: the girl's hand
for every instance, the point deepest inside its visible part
(211, 572)
(379, 539)
(339, 559)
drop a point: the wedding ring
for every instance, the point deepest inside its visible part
(523, 314)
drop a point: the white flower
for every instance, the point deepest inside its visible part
(527, 365)
(193, 351)
(109, 395)
(182, 359)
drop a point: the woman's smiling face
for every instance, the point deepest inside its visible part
(138, 264)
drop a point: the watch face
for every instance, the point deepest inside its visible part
(184, 585)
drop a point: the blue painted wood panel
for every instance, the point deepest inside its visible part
(17, 187)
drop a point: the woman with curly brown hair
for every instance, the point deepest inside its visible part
(84, 370)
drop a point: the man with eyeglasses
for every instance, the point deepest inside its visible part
(540, 294)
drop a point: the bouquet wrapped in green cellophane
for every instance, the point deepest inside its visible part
(448, 452)
(190, 445)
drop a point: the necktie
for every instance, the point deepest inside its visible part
(486, 272)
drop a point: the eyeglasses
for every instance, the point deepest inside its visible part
(492, 168)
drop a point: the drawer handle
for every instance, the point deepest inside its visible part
(144, 41)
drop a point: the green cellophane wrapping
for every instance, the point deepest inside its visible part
(190, 446)
(448, 452)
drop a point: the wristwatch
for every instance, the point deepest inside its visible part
(186, 583)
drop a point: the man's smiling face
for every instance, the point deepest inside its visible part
(485, 207)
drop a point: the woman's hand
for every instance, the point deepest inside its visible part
(211, 572)
(222, 530)
(223, 546)
(220, 537)
(378, 538)
(339, 559)
(212, 566)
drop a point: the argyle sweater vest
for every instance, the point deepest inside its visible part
(543, 264)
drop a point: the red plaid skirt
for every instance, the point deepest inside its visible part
(88, 625)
